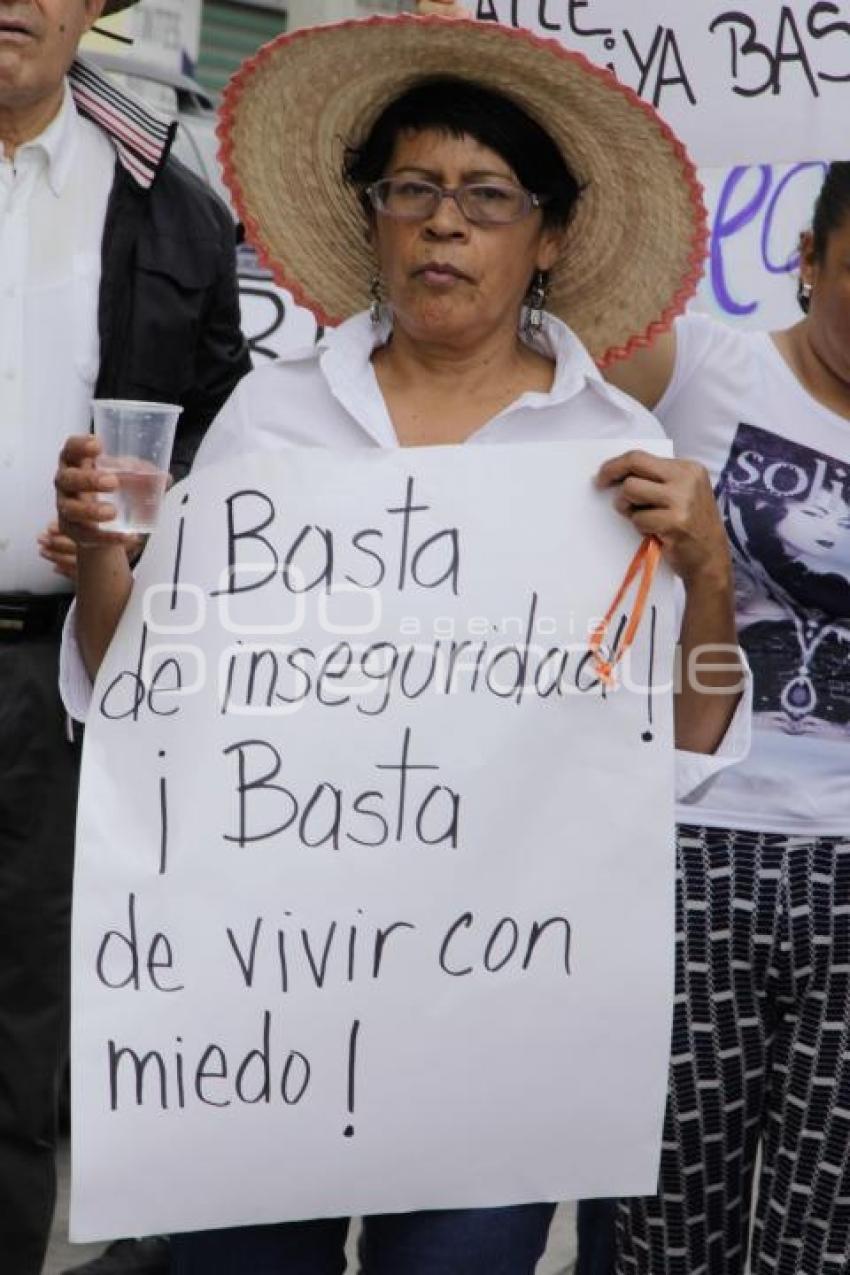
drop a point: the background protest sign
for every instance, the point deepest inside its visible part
(374, 892)
(757, 91)
(756, 215)
(738, 82)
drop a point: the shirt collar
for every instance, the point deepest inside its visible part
(346, 354)
(141, 136)
(346, 363)
(55, 146)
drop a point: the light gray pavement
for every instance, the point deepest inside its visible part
(558, 1260)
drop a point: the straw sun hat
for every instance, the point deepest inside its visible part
(634, 248)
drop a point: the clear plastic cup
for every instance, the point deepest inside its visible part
(137, 440)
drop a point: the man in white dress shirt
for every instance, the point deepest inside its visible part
(117, 279)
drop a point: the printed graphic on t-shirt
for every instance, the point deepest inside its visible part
(787, 513)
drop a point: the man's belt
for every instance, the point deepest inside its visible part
(32, 615)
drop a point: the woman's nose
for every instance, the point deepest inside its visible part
(447, 220)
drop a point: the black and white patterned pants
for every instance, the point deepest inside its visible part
(761, 1058)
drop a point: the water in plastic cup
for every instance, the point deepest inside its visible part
(137, 439)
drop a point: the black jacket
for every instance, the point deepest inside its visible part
(169, 304)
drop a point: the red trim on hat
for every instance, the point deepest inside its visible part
(235, 88)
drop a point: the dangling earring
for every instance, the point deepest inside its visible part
(804, 295)
(535, 302)
(376, 307)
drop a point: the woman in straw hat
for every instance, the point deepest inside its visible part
(450, 196)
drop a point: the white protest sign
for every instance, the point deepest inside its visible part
(374, 886)
(741, 82)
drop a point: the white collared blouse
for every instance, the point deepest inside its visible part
(328, 396)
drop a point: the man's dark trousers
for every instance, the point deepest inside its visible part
(38, 783)
(597, 1237)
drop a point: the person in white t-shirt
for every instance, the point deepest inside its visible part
(761, 1052)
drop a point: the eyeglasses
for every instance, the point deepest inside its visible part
(482, 203)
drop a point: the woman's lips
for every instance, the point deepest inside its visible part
(441, 274)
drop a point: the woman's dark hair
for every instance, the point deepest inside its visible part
(826, 592)
(832, 210)
(460, 108)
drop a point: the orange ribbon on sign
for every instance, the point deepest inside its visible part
(644, 564)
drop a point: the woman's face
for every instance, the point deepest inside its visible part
(447, 279)
(816, 533)
(829, 309)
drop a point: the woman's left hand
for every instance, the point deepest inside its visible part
(673, 501)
